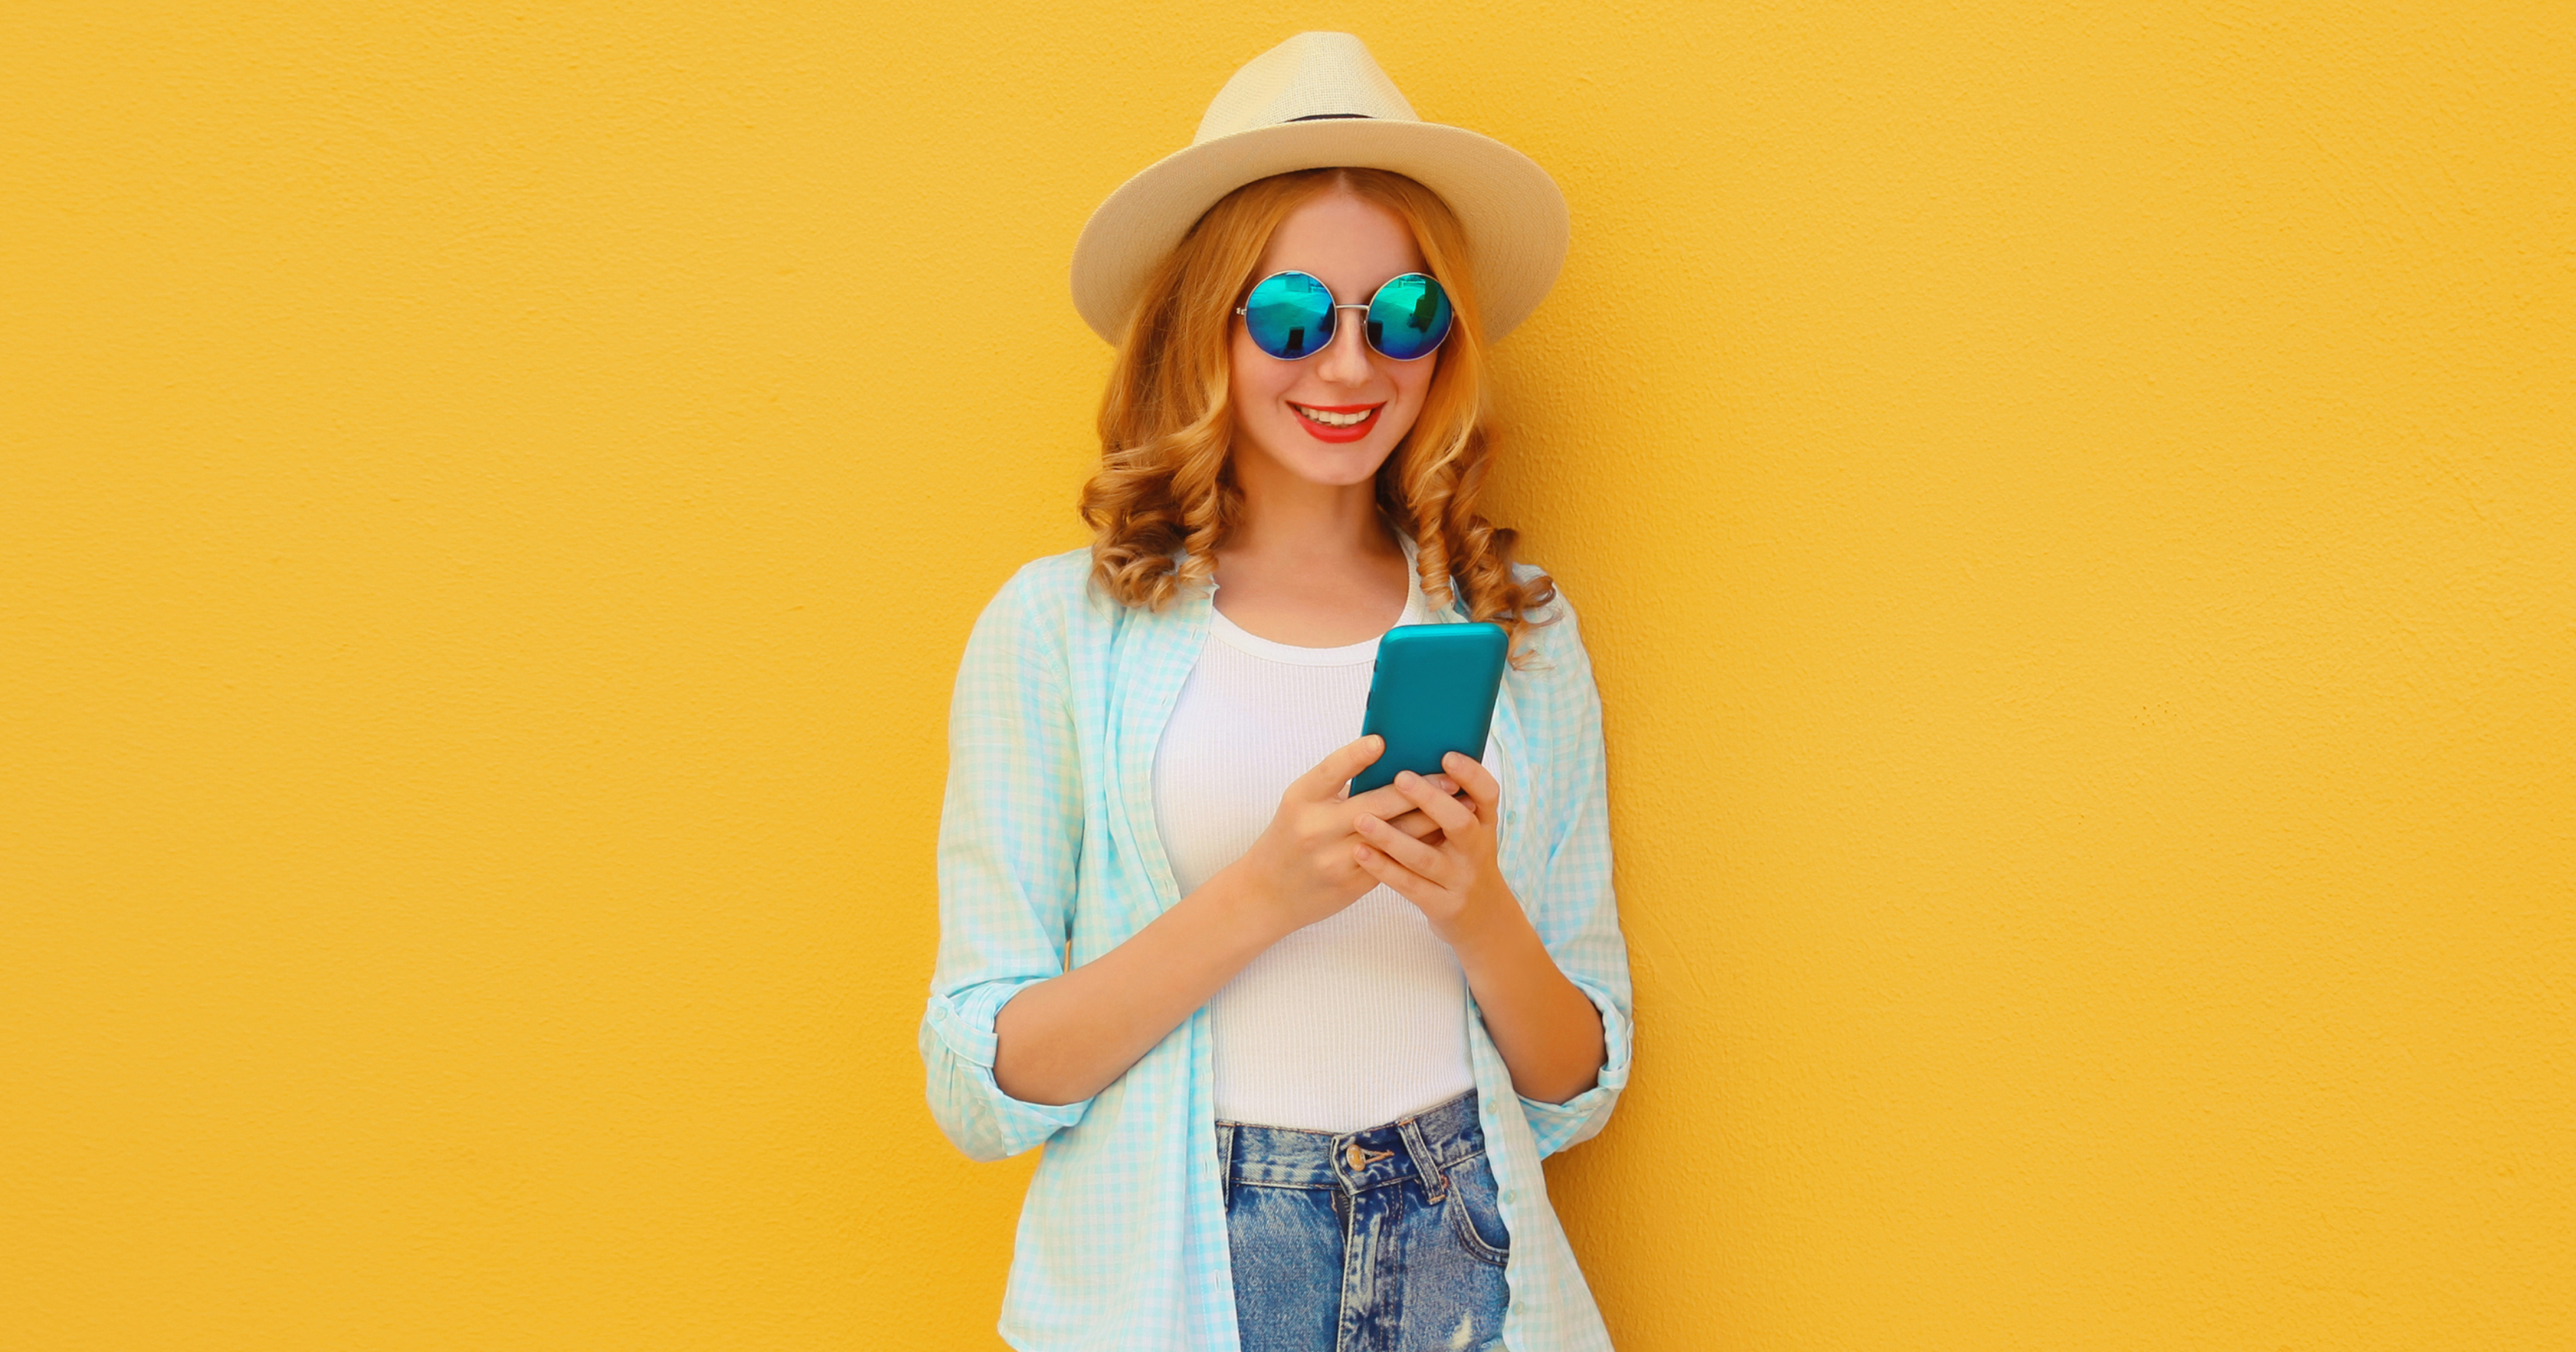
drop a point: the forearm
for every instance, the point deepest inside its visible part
(1546, 1028)
(1068, 1037)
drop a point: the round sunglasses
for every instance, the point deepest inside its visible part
(1290, 315)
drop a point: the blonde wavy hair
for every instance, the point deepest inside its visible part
(1164, 497)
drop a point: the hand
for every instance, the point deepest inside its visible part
(1070, 1036)
(1455, 880)
(1302, 869)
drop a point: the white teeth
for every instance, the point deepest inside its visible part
(1334, 419)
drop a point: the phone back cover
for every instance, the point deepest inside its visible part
(1432, 693)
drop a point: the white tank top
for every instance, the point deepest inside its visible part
(1359, 1018)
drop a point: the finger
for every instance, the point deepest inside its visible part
(1386, 801)
(1322, 783)
(1483, 789)
(1406, 883)
(1403, 849)
(1414, 824)
(1440, 807)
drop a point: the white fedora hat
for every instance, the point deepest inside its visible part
(1319, 101)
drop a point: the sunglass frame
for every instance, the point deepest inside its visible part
(1332, 315)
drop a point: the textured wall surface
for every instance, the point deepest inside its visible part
(2073, 504)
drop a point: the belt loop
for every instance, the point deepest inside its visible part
(1435, 1184)
(1225, 1162)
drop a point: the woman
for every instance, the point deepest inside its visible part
(1295, 1053)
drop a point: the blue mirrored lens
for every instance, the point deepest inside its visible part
(1408, 317)
(1289, 315)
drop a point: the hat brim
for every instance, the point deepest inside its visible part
(1514, 216)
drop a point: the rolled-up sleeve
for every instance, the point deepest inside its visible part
(1572, 908)
(1010, 841)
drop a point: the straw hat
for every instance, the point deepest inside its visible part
(1317, 101)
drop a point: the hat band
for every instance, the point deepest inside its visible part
(1325, 117)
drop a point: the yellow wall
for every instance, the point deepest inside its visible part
(2074, 509)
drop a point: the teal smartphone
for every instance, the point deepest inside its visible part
(1432, 693)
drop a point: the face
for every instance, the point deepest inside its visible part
(1353, 246)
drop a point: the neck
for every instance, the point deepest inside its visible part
(1308, 564)
(1285, 515)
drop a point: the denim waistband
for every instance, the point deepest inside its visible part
(1423, 1145)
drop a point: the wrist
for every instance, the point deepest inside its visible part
(1496, 932)
(1246, 905)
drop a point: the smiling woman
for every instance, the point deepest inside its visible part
(1296, 1050)
(1190, 383)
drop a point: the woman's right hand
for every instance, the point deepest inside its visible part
(1066, 1038)
(1302, 868)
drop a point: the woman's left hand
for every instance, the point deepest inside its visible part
(1548, 1031)
(1453, 875)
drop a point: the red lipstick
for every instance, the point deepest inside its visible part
(1353, 432)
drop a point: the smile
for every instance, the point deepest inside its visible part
(1348, 422)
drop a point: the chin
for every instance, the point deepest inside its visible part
(1337, 466)
(1323, 462)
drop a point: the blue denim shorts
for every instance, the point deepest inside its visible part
(1384, 1240)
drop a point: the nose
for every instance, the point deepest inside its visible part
(1345, 358)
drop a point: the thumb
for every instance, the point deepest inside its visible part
(1326, 779)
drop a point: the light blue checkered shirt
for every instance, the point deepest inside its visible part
(1048, 835)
